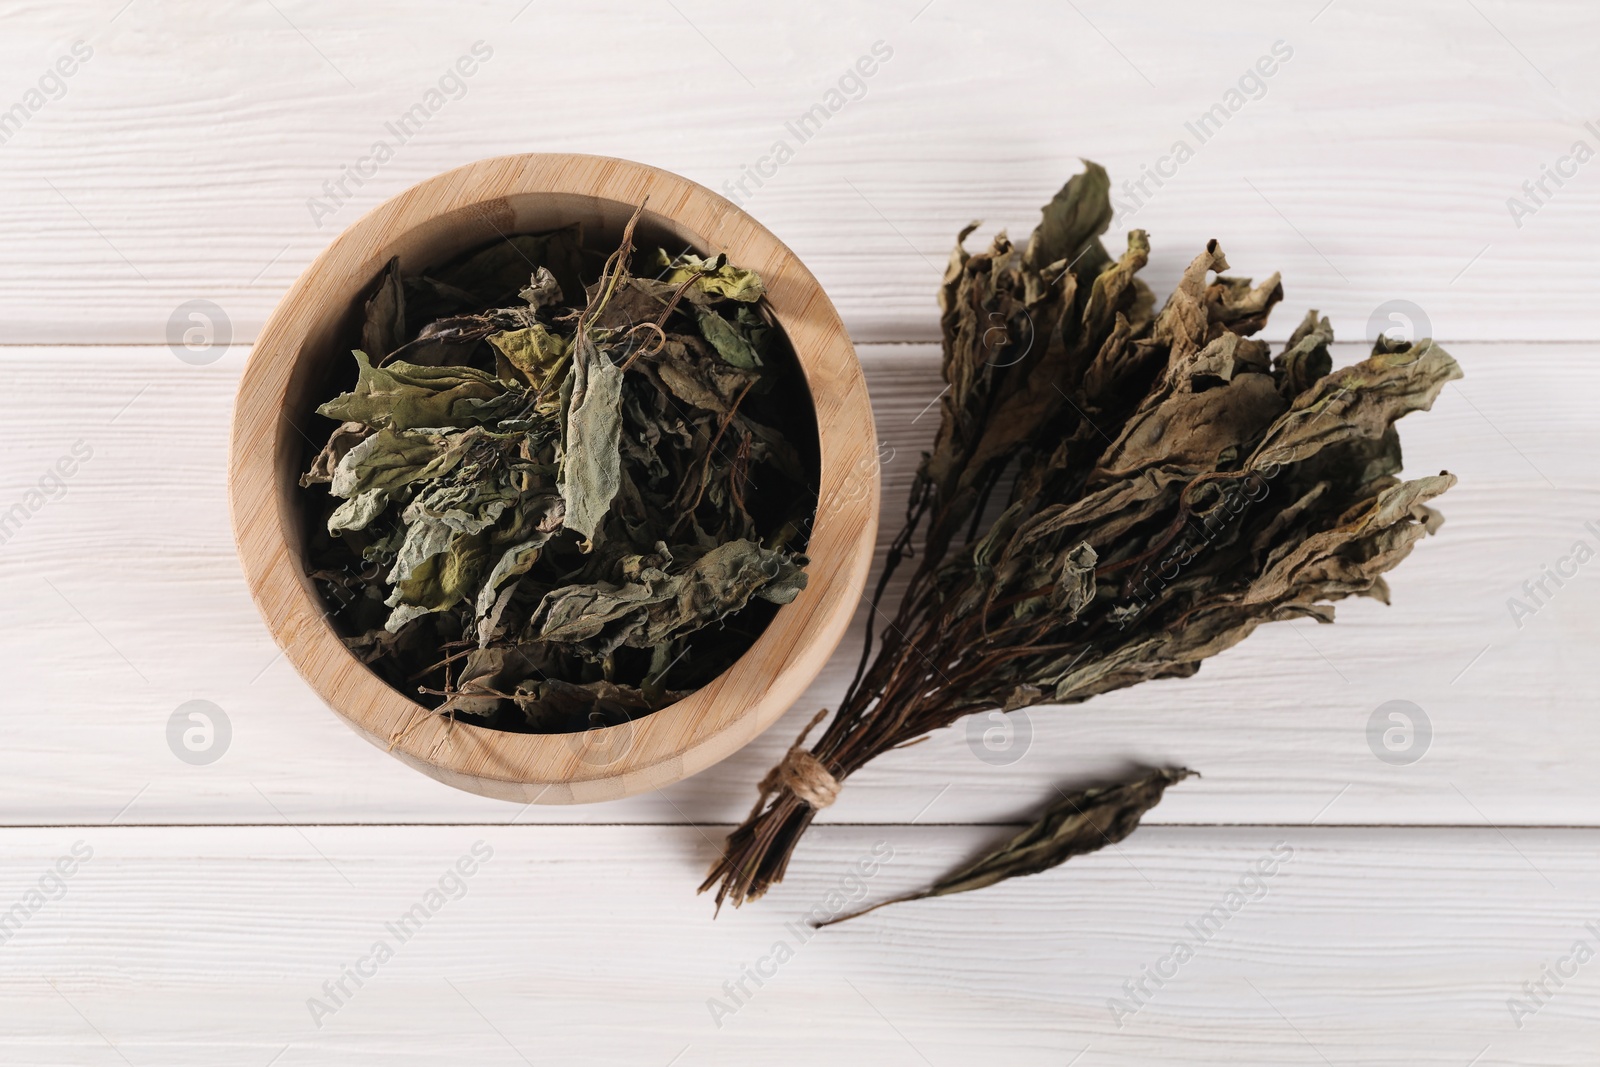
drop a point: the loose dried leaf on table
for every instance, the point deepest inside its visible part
(1078, 823)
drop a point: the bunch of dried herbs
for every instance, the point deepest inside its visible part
(1115, 494)
(562, 494)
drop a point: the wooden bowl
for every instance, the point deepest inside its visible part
(427, 224)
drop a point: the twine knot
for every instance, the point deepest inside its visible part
(802, 773)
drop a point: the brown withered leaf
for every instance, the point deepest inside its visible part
(1114, 495)
(1080, 822)
(384, 326)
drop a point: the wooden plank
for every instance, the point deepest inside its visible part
(123, 600)
(1360, 177)
(587, 944)
(1380, 160)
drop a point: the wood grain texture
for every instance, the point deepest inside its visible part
(177, 176)
(1378, 163)
(1360, 946)
(1277, 725)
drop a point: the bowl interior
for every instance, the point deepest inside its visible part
(324, 374)
(305, 346)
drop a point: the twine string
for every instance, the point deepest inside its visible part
(802, 773)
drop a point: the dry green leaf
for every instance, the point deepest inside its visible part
(663, 602)
(547, 515)
(714, 277)
(535, 351)
(591, 463)
(404, 396)
(729, 341)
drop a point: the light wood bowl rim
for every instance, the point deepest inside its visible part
(676, 741)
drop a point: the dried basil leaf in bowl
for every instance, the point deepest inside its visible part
(559, 497)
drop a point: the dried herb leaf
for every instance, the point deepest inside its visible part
(1114, 495)
(659, 604)
(558, 515)
(714, 277)
(591, 463)
(346, 437)
(404, 396)
(731, 344)
(540, 355)
(384, 325)
(1080, 822)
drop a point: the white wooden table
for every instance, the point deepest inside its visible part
(196, 152)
